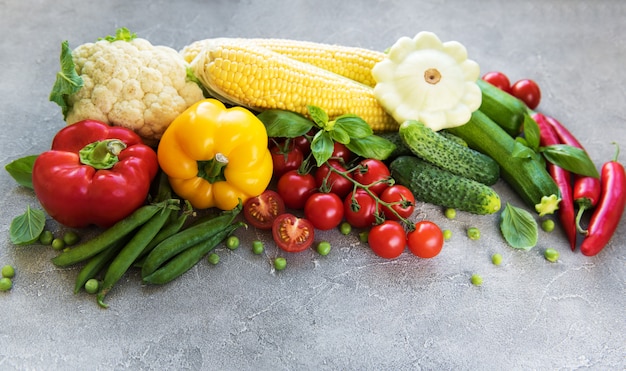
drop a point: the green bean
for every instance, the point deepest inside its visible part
(185, 260)
(182, 240)
(107, 238)
(96, 264)
(130, 251)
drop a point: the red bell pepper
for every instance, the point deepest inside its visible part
(94, 174)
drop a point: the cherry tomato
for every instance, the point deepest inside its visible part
(295, 188)
(334, 182)
(359, 209)
(528, 91)
(303, 144)
(292, 234)
(260, 211)
(285, 157)
(372, 171)
(426, 240)
(402, 199)
(324, 210)
(341, 151)
(498, 79)
(387, 239)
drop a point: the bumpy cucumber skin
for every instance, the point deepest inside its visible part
(402, 149)
(527, 176)
(436, 186)
(503, 108)
(447, 154)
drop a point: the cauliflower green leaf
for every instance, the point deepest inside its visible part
(67, 82)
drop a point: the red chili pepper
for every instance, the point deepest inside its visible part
(562, 178)
(586, 188)
(93, 174)
(608, 213)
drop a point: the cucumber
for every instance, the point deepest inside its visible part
(519, 166)
(433, 185)
(402, 149)
(504, 109)
(442, 152)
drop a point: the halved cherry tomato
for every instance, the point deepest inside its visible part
(333, 182)
(359, 209)
(260, 211)
(285, 156)
(292, 234)
(295, 188)
(528, 91)
(402, 199)
(372, 171)
(498, 79)
(324, 210)
(426, 240)
(387, 239)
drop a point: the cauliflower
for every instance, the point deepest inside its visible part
(125, 81)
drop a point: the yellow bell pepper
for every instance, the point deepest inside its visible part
(215, 155)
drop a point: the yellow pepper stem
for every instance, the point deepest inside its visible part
(213, 170)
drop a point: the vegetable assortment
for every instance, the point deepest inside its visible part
(321, 137)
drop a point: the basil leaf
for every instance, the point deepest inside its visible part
(570, 158)
(338, 134)
(531, 132)
(518, 227)
(284, 124)
(355, 126)
(26, 228)
(22, 170)
(522, 151)
(318, 115)
(371, 146)
(67, 82)
(322, 147)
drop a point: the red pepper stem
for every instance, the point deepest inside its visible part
(101, 154)
(581, 211)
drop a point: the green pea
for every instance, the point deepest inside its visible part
(92, 285)
(450, 213)
(496, 259)
(8, 271)
(345, 228)
(70, 238)
(213, 258)
(447, 234)
(547, 225)
(232, 242)
(58, 244)
(476, 279)
(323, 248)
(280, 263)
(257, 247)
(363, 236)
(551, 255)
(473, 233)
(5, 284)
(46, 237)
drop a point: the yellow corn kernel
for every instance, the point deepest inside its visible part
(270, 80)
(351, 62)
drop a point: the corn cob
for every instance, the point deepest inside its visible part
(351, 62)
(246, 74)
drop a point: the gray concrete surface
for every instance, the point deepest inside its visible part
(349, 310)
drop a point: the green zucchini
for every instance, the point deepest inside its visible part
(504, 109)
(437, 186)
(442, 152)
(519, 166)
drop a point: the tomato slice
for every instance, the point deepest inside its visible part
(260, 211)
(292, 234)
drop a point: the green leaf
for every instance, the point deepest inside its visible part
(67, 82)
(531, 132)
(518, 227)
(355, 126)
(26, 228)
(338, 134)
(284, 124)
(371, 146)
(522, 151)
(318, 115)
(122, 34)
(322, 147)
(570, 158)
(22, 170)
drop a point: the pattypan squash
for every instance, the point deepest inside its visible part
(429, 81)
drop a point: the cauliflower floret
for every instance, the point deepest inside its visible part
(133, 84)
